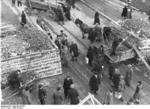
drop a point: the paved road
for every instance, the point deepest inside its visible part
(9, 15)
(113, 15)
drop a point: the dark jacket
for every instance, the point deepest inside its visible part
(93, 83)
(124, 12)
(90, 53)
(74, 96)
(67, 83)
(42, 93)
(23, 18)
(96, 18)
(74, 49)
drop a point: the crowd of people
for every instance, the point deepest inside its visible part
(67, 93)
(95, 58)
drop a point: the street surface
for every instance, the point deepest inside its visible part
(79, 71)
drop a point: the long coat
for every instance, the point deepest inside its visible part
(93, 83)
(124, 12)
(23, 18)
(66, 86)
(42, 95)
(74, 50)
(74, 96)
(90, 55)
(96, 18)
(137, 95)
(128, 78)
(67, 83)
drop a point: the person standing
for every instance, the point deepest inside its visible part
(116, 79)
(67, 13)
(73, 95)
(60, 15)
(96, 18)
(108, 97)
(129, 12)
(90, 56)
(115, 45)
(93, 84)
(23, 19)
(74, 51)
(137, 95)
(57, 96)
(128, 76)
(124, 12)
(41, 94)
(19, 2)
(67, 83)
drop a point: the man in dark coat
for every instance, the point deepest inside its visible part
(92, 35)
(96, 18)
(67, 13)
(116, 79)
(41, 94)
(90, 56)
(106, 34)
(74, 51)
(23, 19)
(67, 82)
(114, 46)
(73, 95)
(101, 50)
(124, 12)
(93, 84)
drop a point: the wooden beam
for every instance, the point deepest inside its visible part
(141, 57)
